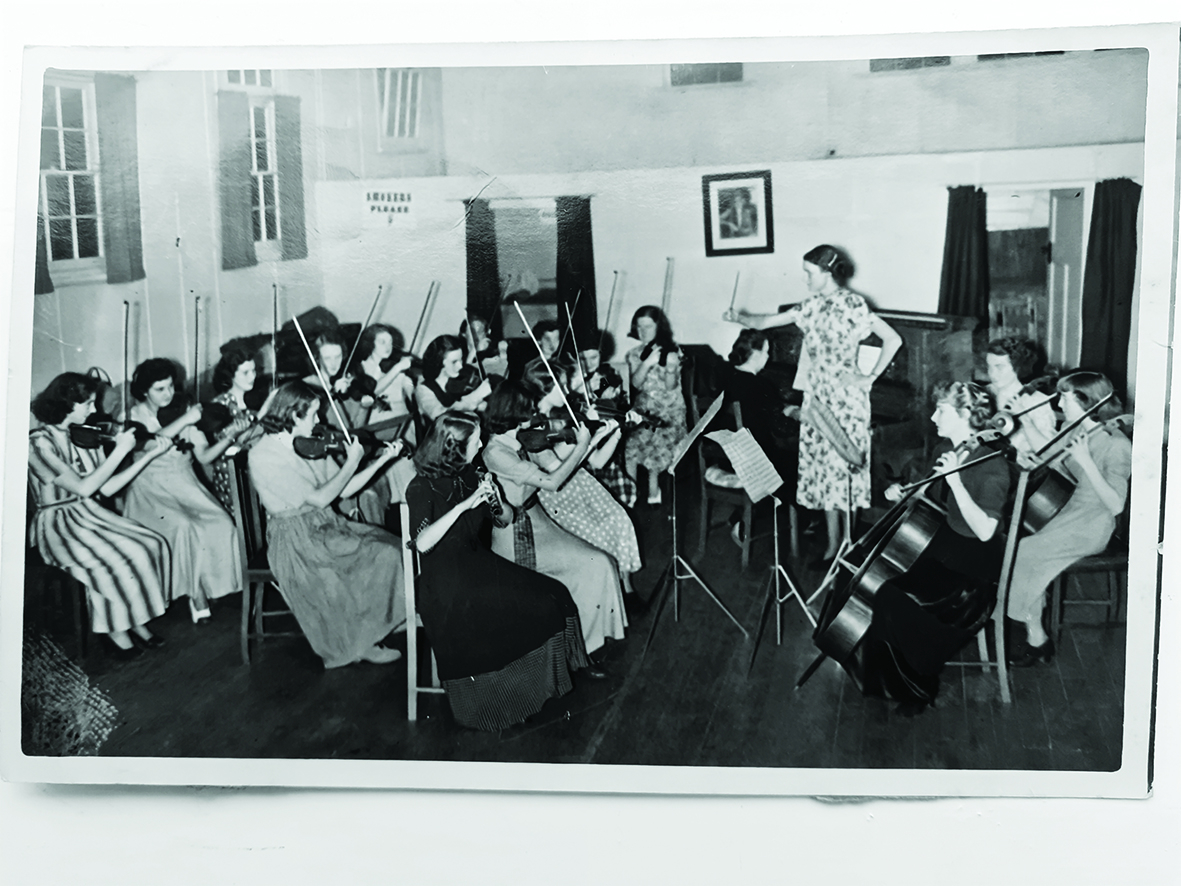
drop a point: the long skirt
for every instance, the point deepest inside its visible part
(124, 566)
(342, 580)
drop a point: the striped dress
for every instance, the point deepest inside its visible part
(124, 566)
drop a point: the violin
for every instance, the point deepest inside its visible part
(468, 380)
(328, 440)
(94, 434)
(1052, 489)
(216, 419)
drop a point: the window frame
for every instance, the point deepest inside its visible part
(381, 79)
(267, 248)
(66, 271)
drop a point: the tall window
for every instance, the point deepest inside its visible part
(264, 174)
(400, 92)
(71, 223)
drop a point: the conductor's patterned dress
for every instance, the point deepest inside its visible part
(834, 325)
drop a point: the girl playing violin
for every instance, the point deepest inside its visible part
(168, 497)
(124, 566)
(393, 388)
(1101, 463)
(343, 580)
(655, 369)
(441, 362)
(485, 351)
(1012, 362)
(506, 637)
(925, 615)
(536, 540)
(233, 379)
(328, 347)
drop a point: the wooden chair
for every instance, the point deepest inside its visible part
(413, 622)
(256, 571)
(53, 586)
(715, 488)
(1112, 563)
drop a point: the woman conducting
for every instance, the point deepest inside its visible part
(342, 579)
(505, 637)
(834, 320)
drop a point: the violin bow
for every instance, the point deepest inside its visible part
(274, 335)
(1067, 431)
(426, 306)
(734, 294)
(323, 381)
(364, 326)
(578, 357)
(197, 349)
(667, 297)
(546, 363)
(471, 341)
(610, 306)
(126, 370)
(562, 343)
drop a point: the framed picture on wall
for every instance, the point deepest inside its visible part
(737, 208)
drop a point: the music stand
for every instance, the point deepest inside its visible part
(775, 580)
(678, 569)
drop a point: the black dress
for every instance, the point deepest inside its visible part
(505, 637)
(925, 616)
(762, 403)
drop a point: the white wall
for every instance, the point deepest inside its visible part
(889, 212)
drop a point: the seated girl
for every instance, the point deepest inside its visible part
(168, 498)
(485, 351)
(233, 379)
(535, 540)
(442, 363)
(393, 388)
(342, 580)
(926, 615)
(505, 637)
(1100, 463)
(124, 567)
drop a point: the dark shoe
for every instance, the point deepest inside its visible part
(118, 653)
(153, 642)
(594, 673)
(1031, 655)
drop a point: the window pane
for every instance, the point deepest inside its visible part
(234, 76)
(381, 75)
(57, 190)
(61, 239)
(255, 219)
(84, 202)
(272, 230)
(72, 109)
(75, 143)
(87, 237)
(264, 77)
(50, 152)
(260, 139)
(268, 191)
(254, 191)
(403, 101)
(412, 107)
(249, 78)
(49, 106)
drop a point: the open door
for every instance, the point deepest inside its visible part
(1064, 332)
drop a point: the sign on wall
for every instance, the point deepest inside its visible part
(390, 207)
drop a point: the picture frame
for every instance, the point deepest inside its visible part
(737, 208)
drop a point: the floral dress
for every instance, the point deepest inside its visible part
(220, 470)
(660, 395)
(833, 326)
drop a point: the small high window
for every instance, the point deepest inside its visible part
(400, 93)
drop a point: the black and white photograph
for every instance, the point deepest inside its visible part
(381, 424)
(737, 208)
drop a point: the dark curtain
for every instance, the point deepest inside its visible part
(576, 266)
(1109, 279)
(963, 288)
(237, 232)
(114, 99)
(289, 147)
(42, 284)
(483, 271)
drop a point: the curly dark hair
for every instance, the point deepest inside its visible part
(1089, 388)
(151, 371)
(436, 351)
(444, 451)
(970, 400)
(1025, 356)
(603, 342)
(368, 339)
(748, 342)
(830, 258)
(510, 404)
(291, 401)
(228, 365)
(61, 395)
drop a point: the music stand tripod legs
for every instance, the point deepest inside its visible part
(775, 581)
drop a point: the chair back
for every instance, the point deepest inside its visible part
(248, 512)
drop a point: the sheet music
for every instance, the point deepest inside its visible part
(755, 471)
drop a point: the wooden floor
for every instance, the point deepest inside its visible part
(687, 700)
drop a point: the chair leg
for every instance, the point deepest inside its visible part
(244, 632)
(982, 648)
(1056, 602)
(411, 669)
(749, 531)
(78, 592)
(259, 603)
(793, 517)
(702, 526)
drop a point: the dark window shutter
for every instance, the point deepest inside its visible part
(237, 235)
(42, 284)
(288, 145)
(114, 99)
